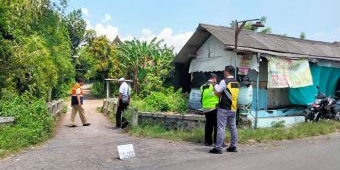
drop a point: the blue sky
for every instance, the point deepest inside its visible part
(176, 20)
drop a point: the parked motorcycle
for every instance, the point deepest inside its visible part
(323, 107)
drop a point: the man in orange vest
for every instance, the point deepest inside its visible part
(77, 103)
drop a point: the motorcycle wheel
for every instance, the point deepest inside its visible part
(317, 116)
(309, 117)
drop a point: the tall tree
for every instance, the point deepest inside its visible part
(143, 59)
(98, 59)
(302, 35)
(135, 54)
(34, 48)
(76, 29)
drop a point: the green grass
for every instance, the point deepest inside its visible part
(302, 130)
(13, 138)
(157, 131)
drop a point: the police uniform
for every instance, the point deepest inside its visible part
(226, 112)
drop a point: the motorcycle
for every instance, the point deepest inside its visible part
(323, 107)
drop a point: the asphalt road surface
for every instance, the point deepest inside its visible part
(95, 147)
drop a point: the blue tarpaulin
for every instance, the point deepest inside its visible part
(325, 77)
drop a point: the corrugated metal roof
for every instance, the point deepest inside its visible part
(260, 42)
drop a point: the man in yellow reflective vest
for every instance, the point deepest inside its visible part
(209, 103)
(77, 103)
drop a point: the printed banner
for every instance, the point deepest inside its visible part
(284, 73)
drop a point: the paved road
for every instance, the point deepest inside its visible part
(95, 147)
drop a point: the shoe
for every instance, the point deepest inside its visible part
(215, 151)
(86, 124)
(123, 127)
(231, 149)
(73, 126)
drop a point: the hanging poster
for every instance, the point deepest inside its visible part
(284, 73)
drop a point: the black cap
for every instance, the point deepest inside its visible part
(230, 69)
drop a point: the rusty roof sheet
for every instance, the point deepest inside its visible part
(256, 42)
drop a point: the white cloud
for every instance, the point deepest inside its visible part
(127, 38)
(107, 18)
(146, 32)
(171, 39)
(108, 30)
(319, 35)
(175, 40)
(85, 11)
(88, 25)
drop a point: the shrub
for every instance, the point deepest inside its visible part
(33, 123)
(98, 89)
(166, 101)
(158, 101)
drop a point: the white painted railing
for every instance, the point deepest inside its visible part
(6, 120)
(55, 106)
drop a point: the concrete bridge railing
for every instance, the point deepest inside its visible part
(109, 106)
(55, 106)
(171, 121)
(8, 119)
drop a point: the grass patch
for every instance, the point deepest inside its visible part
(157, 131)
(301, 130)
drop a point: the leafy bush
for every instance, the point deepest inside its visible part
(33, 123)
(152, 84)
(166, 101)
(158, 101)
(98, 90)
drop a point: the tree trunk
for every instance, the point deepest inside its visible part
(135, 79)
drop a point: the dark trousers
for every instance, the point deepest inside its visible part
(120, 120)
(210, 126)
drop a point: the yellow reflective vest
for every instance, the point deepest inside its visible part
(209, 99)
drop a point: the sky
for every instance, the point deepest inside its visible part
(176, 20)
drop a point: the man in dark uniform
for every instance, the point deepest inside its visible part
(228, 89)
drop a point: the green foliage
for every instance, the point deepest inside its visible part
(76, 28)
(35, 66)
(303, 35)
(35, 48)
(158, 101)
(99, 60)
(166, 101)
(33, 123)
(98, 89)
(148, 62)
